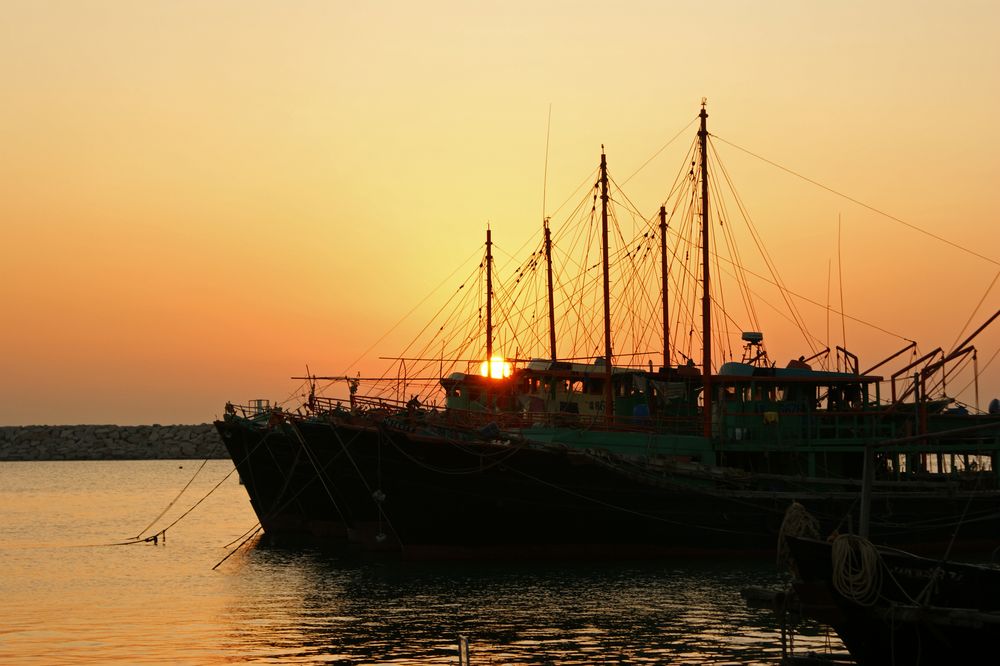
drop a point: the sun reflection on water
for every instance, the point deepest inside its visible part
(69, 598)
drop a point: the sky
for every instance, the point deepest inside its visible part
(198, 200)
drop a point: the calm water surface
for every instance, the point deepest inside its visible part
(68, 597)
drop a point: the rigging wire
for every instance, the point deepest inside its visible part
(520, 300)
(410, 312)
(820, 305)
(860, 203)
(840, 279)
(583, 182)
(545, 174)
(981, 370)
(661, 149)
(975, 310)
(765, 255)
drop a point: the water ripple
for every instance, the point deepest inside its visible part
(69, 601)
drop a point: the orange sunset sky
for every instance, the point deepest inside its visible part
(200, 198)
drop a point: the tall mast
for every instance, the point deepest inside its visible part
(706, 298)
(608, 392)
(489, 301)
(663, 268)
(552, 307)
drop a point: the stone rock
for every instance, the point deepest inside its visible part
(110, 442)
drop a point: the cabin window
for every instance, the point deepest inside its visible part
(595, 386)
(576, 387)
(835, 399)
(473, 395)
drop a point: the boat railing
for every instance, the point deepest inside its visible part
(781, 426)
(477, 418)
(681, 425)
(322, 404)
(255, 410)
(359, 405)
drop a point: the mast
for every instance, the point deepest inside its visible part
(706, 298)
(552, 307)
(663, 267)
(489, 301)
(608, 392)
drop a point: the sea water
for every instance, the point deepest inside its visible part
(69, 593)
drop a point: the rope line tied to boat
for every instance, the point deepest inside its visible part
(857, 569)
(798, 522)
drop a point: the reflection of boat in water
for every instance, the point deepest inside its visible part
(573, 456)
(891, 607)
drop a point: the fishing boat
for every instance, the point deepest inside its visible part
(889, 606)
(553, 455)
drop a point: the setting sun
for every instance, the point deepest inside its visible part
(172, 176)
(496, 367)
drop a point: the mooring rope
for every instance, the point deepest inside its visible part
(319, 472)
(233, 552)
(857, 569)
(377, 495)
(173, 501)
(256, 527)
(798, 522)
(162, 534)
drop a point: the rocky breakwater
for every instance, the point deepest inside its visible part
(110, 442)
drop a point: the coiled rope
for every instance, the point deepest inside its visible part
(857, 569)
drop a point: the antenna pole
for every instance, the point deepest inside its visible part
(706, 298)
(663, 267)
(608, 390)
(552, 308)
(975, 374)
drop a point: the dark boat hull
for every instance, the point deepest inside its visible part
(440, 493)
(925, 611)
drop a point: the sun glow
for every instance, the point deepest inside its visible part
(496, 367)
